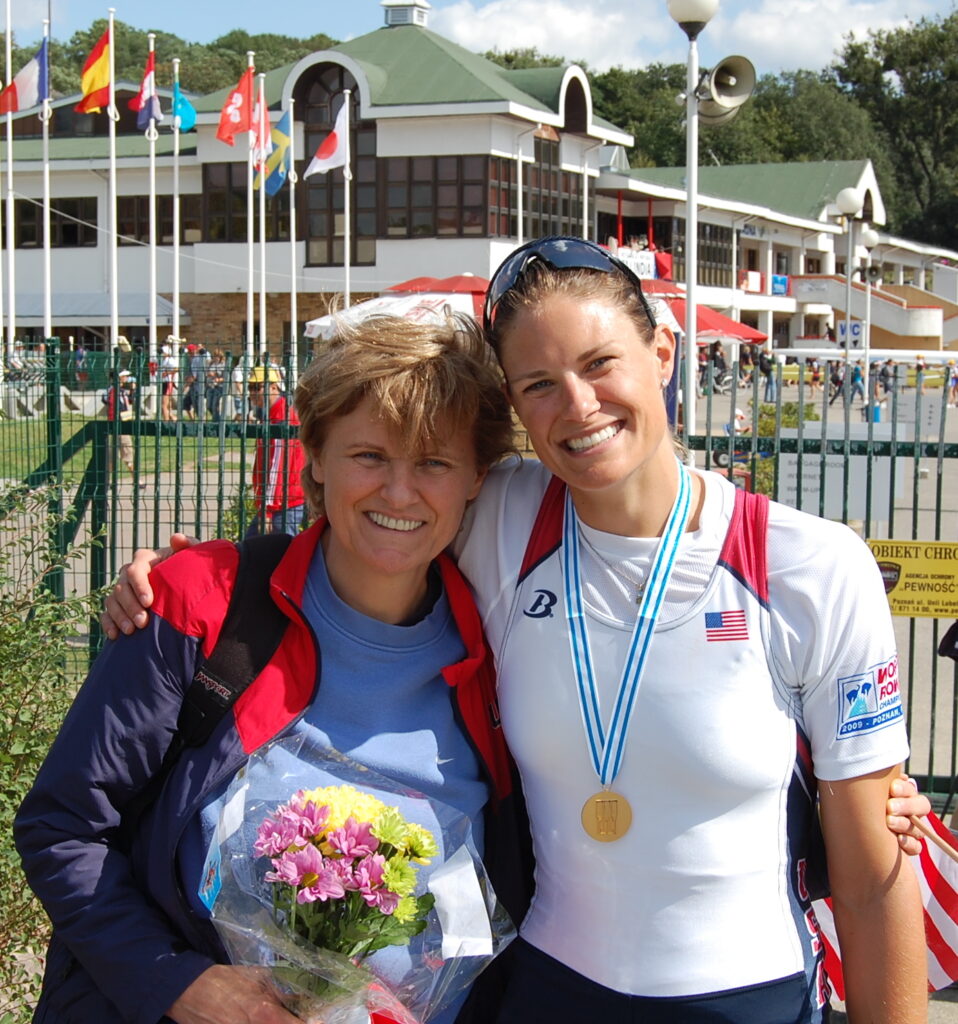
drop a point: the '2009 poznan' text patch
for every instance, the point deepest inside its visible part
(869, 700)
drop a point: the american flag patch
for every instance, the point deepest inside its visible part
(726, 626)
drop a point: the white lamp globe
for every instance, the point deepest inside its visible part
(868, 238)
(850, 201)
(694, 12)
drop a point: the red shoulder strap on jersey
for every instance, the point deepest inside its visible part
(546, 533)
(744, 553)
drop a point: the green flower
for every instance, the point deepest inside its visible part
(406, 910)
(420, 844)
(390, 827)
(399, 876)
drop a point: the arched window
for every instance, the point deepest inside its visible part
(319, 96)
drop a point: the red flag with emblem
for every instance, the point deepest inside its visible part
(237, 113)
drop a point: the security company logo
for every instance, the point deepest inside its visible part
(870, 700)
(890, 574)
(541, 607)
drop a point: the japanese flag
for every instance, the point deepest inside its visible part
(333, 149)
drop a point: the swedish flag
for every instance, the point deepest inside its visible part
(277, 163)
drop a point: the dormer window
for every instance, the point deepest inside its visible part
(407, 12)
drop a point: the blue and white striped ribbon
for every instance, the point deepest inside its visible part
(606, 752)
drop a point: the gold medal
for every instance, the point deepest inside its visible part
(606, 816)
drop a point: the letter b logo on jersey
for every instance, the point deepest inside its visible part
(541, 607)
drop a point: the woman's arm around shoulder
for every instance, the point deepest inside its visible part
(876, 902)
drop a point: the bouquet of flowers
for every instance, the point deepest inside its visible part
(363, 911)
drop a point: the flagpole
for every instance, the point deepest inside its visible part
(45, 114)
(151, 134)
(293, 311)
(176, 206)
(11, 260)
(113, 115)
(347, 226)
(249, 239)
(261, 130)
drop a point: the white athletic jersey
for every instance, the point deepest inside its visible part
(745, 686)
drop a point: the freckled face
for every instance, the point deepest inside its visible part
(588, 389)
(391, 511)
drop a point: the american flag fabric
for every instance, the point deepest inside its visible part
(938, 879)
(726, 626)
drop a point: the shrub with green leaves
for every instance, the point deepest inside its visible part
(43, 658)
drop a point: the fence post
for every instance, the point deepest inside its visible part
(53, 380)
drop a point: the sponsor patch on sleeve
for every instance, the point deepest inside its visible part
(869, 700)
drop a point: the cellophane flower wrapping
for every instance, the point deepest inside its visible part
(367, 901)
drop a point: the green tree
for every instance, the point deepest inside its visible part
(523, 57)
(907, 80)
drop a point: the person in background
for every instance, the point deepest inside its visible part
(766, 367)
(858, 382)
(169, 375)
(118, 403)
(278, 469)
(238, 391)
(215, 384)
(81, 374)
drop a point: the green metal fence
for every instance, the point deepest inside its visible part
(886, 466)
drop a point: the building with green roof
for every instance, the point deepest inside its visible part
(454, 161)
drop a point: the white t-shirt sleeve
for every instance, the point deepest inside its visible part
(833, 644)
(494, 535)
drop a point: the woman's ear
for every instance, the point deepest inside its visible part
(663, 341)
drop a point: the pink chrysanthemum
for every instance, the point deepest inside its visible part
(353, 839)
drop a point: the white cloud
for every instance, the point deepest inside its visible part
(605, 33)
(775, 35)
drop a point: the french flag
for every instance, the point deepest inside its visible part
(30, 87)
(147, 102)
(332, 150)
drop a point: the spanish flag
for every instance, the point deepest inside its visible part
(95, 78)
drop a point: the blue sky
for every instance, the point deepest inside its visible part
(775, 35)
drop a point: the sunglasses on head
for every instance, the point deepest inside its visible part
(560, 253)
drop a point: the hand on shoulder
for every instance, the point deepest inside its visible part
(125, 608)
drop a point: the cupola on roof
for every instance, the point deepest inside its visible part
(407, 12)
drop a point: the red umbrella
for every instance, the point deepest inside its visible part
(710, 324)
(458, 284)
(659, 286)
(467, 283)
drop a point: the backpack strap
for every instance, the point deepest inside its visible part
(252, 630)
(250, 634)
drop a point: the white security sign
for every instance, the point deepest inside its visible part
(859, 474)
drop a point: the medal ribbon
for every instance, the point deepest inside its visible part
(606, 750)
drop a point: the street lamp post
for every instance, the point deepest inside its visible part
(692, 16)
(850, 202)
(869, 239)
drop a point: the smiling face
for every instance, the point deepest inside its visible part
(588, 388)
(391, 511)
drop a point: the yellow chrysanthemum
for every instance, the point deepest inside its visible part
(344, 801)
(399, 876)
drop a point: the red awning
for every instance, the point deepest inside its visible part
(710, 325)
